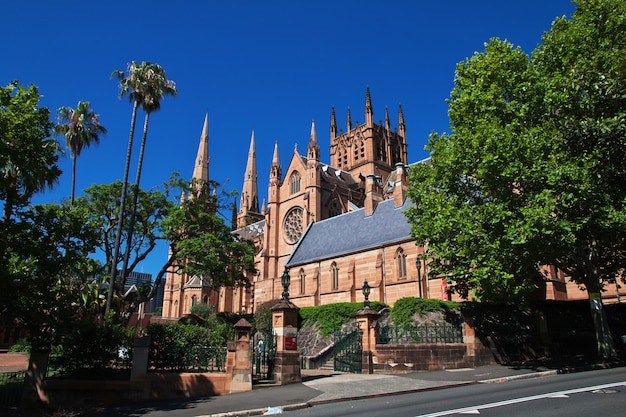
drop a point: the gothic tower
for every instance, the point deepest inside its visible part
(181, 290)
(249, 205)
(368, 148)
(313, 183)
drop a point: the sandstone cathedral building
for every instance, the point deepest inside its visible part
(330, 226)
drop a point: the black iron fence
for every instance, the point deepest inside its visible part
(348, 351)
(188, 359)
(420, 333)
(263, 350)
(11, 384)
(114, 366)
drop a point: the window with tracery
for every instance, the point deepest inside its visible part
(334, 209)
(334, 270)
(293, 225)
(294, 182)
(401, 263)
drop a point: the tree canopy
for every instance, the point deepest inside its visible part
(28, 153)
(200, 243)
(44, 248)
(80, 127)
(532, 173)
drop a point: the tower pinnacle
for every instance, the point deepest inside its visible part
(201, 169)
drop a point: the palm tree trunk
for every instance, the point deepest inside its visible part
(120, 219)
(133, 215)
(73, 181)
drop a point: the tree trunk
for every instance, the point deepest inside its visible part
(120, 220)
(37, 368)
(73, 181)
(605, 345)
(133, 212)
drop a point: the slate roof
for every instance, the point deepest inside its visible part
(251, 231)
(352, 232)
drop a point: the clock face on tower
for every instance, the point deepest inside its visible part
(293, 225)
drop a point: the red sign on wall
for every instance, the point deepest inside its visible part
(444, 289)
(291, 343)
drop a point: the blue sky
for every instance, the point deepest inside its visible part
(268, 66)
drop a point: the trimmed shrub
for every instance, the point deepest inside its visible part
(331, 317)
(405, 308)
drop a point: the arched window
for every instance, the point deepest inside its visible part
(334, 270)
(294, 182)
(302, 282)
(194, 300)
(334, 208)
(401, 263)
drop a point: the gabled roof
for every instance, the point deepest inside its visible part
(352, 232)
(335, 176)
(251, 231)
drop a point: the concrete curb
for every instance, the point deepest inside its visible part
(518, 377)
(300, 406)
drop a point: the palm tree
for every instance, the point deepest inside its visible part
(80, 127)
(157, 86)
(145, 84)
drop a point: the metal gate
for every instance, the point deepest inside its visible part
(348, 351)
(263, 355)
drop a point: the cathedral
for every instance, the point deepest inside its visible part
(330, 226)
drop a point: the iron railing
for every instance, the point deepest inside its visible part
(439, 333)
(11, 384)
(348, 351)
(263, 355)
(188, 359)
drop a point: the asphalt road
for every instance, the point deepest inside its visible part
(594, 393)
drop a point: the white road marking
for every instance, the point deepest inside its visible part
(559, 394)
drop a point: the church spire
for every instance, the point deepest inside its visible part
(313, 151)
(201, 169)
(250, 192)
(333, 124)
(401, 125)
(387, 122)
(349, 121)
(369, 110)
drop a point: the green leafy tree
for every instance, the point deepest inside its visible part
(28, 153)
(532, 173)
(200, 243)
(50, 271)
(102, 203)
(80, 127)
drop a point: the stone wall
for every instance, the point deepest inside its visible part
(156, 386)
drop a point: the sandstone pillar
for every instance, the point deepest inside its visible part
(285, 325)
(242, 368)
(140, 361)
(366, 319)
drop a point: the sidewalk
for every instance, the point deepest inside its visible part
(320, 387)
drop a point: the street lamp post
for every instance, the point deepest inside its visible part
(285, 280)
(418, 264)
(366, 294)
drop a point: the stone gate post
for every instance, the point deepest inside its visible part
(285, 324)
(366, 319)
(241, 371)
